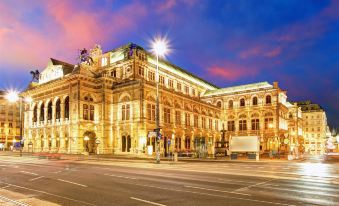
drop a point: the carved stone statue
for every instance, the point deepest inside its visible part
(35, 75)
(84, 56)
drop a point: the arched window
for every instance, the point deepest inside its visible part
(219, 104)
(42, 112)
(230, 104)
(57, 109)
(255, 101)
(67, 107)
(268, 99)
(49, 111)
(242, 102)
(35, 113)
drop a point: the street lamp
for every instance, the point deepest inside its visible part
(159, 48)
(13, 97)
(86, 138)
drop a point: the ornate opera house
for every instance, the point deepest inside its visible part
(107, 104)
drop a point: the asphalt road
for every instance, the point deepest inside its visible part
(29, 181)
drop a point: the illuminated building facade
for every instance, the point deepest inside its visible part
(9, 122)
(108, 106)
(258, 109)
(314, 127)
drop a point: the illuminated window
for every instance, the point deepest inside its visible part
(268, 123)
(242, 125)
(179, 87)
(104, 61)
(151, 112)
(170, 83)
(125, 112)
(151, 76)
(162, 80)
(255, 124)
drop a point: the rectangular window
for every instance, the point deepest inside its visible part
(196, 120)
(242, 125)
(127, 112)
(231, 126)
(268, 123)
(187, 119)
(123, 112)
(187, 91)
(210, 123)
(255, 124)
(203, 122)
(151, 76)
(178, 117)
(179, 87)
(141, 71)
(85, 112)
(91, 114)
(167, 115)
(151, 112)
(216, 125)
(162, 80)
(170, 83)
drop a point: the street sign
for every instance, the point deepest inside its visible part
(152, 134)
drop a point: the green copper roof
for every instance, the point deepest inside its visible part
(241, 88)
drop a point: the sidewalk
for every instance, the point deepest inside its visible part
(110, 157)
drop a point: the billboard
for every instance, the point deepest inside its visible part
(244, 144)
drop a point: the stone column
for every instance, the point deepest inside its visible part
(62, 112)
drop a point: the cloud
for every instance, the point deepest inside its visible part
(64, 27)
(230, 71)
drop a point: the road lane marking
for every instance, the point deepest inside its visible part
(36, 178)
(74, 183)
(146, 201)
(223, 191)
(13, 201)
(125, 177)
(260, 183)
(31, 173)
(213, 195)
(47, 193)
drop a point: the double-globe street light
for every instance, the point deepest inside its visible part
(159, 48)
(13, 97)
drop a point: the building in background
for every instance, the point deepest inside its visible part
(258, 109)
(314, 128)
(9, 122)
(106, 104)
(295, 130)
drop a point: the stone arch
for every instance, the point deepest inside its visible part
(125, 97)
(89, 138)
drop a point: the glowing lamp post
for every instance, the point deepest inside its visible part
(86, 138)
(159, 48)
(13, 97)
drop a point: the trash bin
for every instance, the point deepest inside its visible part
(234, 156)
(175, 157)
